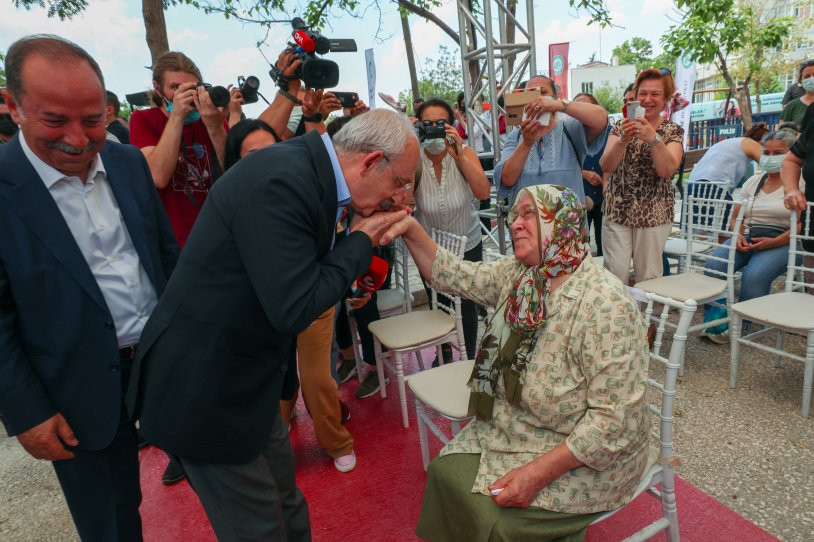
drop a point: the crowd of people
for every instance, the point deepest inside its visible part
(178, 278)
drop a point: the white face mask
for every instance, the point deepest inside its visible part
(771, 164)
(435, 146)
(808, 84)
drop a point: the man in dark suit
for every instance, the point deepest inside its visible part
(85, 251)
(218, 352)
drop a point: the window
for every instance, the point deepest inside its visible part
(588, 87)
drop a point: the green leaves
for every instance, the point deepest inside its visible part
(64, 9)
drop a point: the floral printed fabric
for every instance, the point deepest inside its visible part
(505, 353)
(584, 384)
(636, 196)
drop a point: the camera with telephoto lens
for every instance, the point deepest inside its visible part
(219, 95)
(315, 72)
(248, 87)
(430, 129)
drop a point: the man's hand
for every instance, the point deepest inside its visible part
(211, 115)
(357, 303)
(592, 177)
(45, 441)
(329, 104)
(235, 101)
(358, 108)
(289, 62)
(311, 102)
(378, 224)
(183, 101)
(795, 201)
(520, 487)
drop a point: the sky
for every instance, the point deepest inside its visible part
(112, 31)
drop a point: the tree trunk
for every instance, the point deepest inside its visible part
(408, 45)
(426, 14)
(153, 12)
(757, 96)
(511, 5)
(742, 96)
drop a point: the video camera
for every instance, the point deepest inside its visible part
(315, 72)
(430, 129)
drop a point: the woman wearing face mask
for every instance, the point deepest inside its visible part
(795, 109)
(451, 179)
(641, 157)
(763, 242)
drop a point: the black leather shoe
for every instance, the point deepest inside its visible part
(174, 473)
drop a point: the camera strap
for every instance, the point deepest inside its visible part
(573, 145)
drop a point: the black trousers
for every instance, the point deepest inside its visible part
(469, 309)
(102, 487)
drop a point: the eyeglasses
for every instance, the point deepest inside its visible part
(401, 185)
(523, 214)
(806, 63)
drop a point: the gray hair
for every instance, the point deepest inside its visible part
(376, 130)
(786, 133)
(54, 48)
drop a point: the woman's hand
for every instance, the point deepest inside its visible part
(455, 150)
(531, 130)
(592, 177)
(329, 104)
(765, 243)
(742, 244)
(644, 131)
(540, 105)
(628, 131)
(520, 487)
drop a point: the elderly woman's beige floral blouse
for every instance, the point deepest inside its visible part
(585, 385)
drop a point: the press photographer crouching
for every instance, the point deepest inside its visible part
(452, 178)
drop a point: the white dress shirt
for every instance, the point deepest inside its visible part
(93, 216)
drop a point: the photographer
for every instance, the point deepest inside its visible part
(183, 139)
(452, 178)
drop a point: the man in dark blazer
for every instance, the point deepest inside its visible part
(218, 352)
(85, 251)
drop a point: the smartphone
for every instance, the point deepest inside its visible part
(634, 110)
(347, 99)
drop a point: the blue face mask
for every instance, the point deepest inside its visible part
(808, 84)
(190, 118)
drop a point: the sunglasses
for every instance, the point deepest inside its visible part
(665, 71)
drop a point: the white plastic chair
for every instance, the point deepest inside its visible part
(414, 331)
(661, 473)
(789, 311)
(676, 247)
(705, 232)
(443, 391)
(393, 301)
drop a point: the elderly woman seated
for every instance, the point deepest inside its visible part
(558, 387)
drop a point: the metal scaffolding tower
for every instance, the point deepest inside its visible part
(493, 57)
(492, 60)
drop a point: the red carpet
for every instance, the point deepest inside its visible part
(380, 499)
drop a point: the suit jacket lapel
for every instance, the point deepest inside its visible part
(126, 199)
(325, 177)
(30, 199)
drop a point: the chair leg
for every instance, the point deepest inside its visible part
(377, 348)
(419, 359)
(668, 505)
(440, 354)
(779, 344)
(402, 391)
(455, 426)
(357, 347)
(808, 375)
(420, 413)
(734, 350)
(681, 364)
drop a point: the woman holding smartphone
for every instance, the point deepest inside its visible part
(643, 152)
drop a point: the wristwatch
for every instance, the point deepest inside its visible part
(653, 143)
(316, 117)
(565, 104)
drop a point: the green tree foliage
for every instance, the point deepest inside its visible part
(2, 70)
(639, 52)
(609, 98)
(718, 31)
(64, 9)
(440, 77)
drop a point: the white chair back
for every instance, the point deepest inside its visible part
(401, 278)
(456, 244)
(800, 276)
(702, 190)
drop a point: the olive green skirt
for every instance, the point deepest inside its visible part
(450, 512)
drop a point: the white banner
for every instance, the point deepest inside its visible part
(685, 84)
(371, 78)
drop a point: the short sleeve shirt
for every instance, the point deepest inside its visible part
(636, 196)
(192, 179)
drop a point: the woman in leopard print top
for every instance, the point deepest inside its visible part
(641, 157)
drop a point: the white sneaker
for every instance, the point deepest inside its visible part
(345, 463)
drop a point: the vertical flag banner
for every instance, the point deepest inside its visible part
(558, 65)
(371, 78)
(685, 84)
